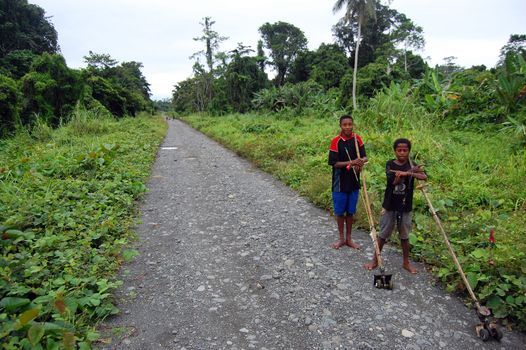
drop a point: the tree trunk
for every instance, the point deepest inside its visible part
(355, 72)
(405, 56)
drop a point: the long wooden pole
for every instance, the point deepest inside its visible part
(368, 210)
(422, 187)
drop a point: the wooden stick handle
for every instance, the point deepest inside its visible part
(448, 244)
(368, 210)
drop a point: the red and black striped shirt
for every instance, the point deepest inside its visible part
(341, 149)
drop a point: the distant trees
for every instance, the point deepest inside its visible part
(211, 39)
(121, 88)
(358, 11)
(24, 26)
(285, 42)
(36, 83)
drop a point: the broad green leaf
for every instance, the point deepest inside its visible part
(28, 316)
(479, 253)
(35, 333)
(84, 346)
(472, 279)
(12, 303)
(494, 301)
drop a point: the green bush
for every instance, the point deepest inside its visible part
(9, 105)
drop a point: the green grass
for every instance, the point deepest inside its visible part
(67, 208)
(476, 181)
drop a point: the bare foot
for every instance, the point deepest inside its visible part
(371, 266)
(410, 268)
(352, 245)
(337, 244)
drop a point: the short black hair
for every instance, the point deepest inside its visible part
(346, 116)
(402, 140)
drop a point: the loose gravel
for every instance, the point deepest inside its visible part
(230, 258)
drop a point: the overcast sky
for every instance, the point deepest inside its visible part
(159, 33)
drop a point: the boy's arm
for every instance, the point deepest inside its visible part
(417, 172)
(333, 161)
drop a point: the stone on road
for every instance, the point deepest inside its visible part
(230, 258)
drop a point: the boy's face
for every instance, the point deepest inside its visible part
(346, 126)
(402, 152)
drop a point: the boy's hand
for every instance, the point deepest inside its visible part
(416, 169)
(359, 162)
(399, 173)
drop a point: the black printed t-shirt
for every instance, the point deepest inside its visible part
(344, 180)
(398, 197)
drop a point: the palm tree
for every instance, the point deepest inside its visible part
(360, 11)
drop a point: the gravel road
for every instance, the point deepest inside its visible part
(230, 258)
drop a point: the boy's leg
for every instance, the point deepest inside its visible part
(348, 226)
(350, 208)
(404, 230)
(405, 251)
(340, 220)
(387, 223)
(374, 263)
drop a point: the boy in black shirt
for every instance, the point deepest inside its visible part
(346, 166)
(398, 201)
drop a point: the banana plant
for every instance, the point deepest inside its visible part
(511, 83)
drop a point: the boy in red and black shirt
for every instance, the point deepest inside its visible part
(346, 167)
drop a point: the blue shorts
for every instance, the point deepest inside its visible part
(345, 202)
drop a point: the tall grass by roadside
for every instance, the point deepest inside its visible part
(67, 199)
(476, 180)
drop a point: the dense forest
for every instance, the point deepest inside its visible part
(344, 75)
(36, 85)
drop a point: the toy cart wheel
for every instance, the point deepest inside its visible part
(496, 333)
(484, 334)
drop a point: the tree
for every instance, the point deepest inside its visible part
(9, 105)
(99, 61)
(358, 11)
(516, 44)
(243, 78)
(24, 26)
(261, 58)
(408, 34)
(344, 36)
(121, 88)
(212, 40)
(17, 63)
(50, 89)
(326, 66)
(284, 41)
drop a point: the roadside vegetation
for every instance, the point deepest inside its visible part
(67, 200)
(76, 146)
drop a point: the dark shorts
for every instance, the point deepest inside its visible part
(388, 224)
(345, 202)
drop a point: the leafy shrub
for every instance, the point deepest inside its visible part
(9, 105)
